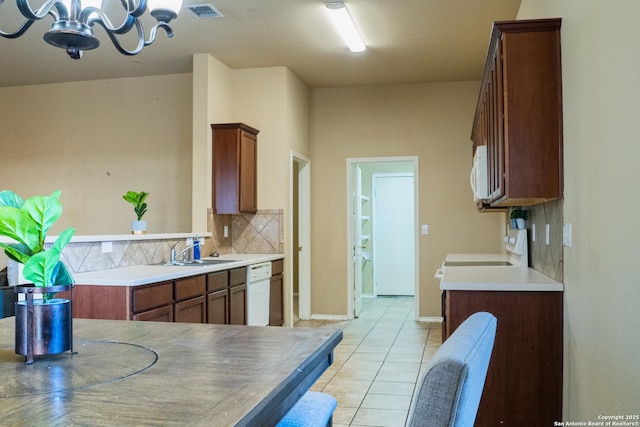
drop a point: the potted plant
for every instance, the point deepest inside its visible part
(140, 208)
(518, 216)
(43, 326)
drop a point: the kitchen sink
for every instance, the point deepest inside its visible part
(196, 263)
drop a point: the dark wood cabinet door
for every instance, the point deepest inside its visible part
(276, 301)
(218, 307)
(234, 168)
(248, 199)
(191, 311)
(160, 314)
(238, 305)
(524, 380)
(519, 113)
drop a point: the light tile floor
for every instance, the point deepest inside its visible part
(378, 362)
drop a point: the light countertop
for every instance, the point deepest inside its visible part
(144, 274)
(477, 257)
(486, 278)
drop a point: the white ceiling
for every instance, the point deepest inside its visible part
(408, 41)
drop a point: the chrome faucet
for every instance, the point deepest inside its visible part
(183, 252)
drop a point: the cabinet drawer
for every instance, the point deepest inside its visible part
(160, 314)
(190, 287)
(217, 281)
(237, 276)
(151, 296)
(277, 267)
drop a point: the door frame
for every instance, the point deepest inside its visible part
(349, 194)
(302, 165)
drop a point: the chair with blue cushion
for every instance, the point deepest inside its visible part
(314, 409)
(450, 390)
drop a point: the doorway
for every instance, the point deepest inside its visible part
(364, 253)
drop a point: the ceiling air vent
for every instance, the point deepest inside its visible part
(205, 11)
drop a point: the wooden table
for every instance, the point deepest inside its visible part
(147, 373)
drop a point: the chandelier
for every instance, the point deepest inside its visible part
(73, 22)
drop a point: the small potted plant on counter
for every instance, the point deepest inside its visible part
(518, 216)
(43, 326)
(140, 208)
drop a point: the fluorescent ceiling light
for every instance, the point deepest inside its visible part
(345, 26)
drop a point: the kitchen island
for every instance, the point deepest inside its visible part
(207, 293)
(148, 373)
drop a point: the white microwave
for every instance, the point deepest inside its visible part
(479, 175)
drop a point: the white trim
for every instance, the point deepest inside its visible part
(330, 317)
(416, 188)
(430, 319)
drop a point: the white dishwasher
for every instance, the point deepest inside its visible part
(258, 283)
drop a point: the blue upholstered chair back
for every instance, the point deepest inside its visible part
(449, 393)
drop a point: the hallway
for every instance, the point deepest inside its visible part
(377, 364)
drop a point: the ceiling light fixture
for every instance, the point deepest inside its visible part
(346, 27)
(73, 22)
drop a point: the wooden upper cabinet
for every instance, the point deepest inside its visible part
(519, 113)
(234, 168)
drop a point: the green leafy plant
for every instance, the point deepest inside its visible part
(27, 222)
(516, 212)
(138, 202)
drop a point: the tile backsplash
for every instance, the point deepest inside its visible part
(547, 259)
(259, 233)
(82, 257)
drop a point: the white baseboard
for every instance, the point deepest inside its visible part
(344, 317)
(329, 317)
(430, 319)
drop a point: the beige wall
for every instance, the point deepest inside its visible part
(431, 121)
(95, 140)
(601, 65)
(276, 102)
(212, 102)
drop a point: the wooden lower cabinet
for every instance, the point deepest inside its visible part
(160, 314)
(191, 303)
(217, 298)
(193, 310)
(238, 304)
(150, 296)
(276, 297)
(524, 380)
(218, 308)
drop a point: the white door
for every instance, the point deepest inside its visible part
(357, 240)
(393, 234)
(304, 239)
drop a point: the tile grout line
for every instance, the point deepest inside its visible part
(378, 313)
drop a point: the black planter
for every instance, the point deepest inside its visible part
(7, 301)
(43, 328)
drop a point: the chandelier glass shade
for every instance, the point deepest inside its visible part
(74, 20)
